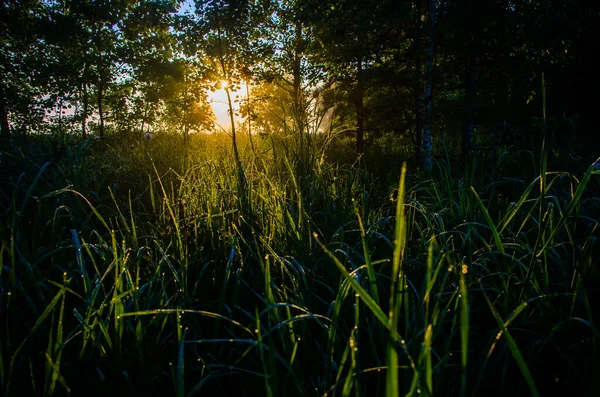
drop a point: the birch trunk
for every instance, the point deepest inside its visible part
(427, 122)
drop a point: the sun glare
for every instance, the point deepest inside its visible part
(219, 104)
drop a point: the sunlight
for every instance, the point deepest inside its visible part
(218, 102)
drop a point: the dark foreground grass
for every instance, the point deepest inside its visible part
(142, 268)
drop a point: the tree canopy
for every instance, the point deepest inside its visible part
(466, 73)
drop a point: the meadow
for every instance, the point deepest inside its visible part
(131, 267)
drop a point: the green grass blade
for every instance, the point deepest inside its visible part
(514, 350)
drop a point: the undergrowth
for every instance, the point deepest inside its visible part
(141, 267)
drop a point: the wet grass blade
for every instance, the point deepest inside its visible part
(514, 350)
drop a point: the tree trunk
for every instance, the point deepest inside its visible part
(469, 123)
(85, 110)
(249, 116)
(359, 106)
(360, 133)
(236, 154)
(84, 100)
(417, 81)
(298, 103)
(427, 122)
(297, 76)
(186, 136)
(4, 124)
(469, 104)
(100, 109)
(144, 118)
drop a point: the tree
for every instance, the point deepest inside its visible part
(24, 58)
(428, 96)
(185, 106)
(285, 58)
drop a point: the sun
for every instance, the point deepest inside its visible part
(219, 103)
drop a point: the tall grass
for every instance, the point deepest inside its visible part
(143, 268)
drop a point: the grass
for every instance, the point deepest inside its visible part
(135, 268)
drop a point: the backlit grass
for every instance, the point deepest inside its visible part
(142, 267)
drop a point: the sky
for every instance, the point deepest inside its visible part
(187, 5)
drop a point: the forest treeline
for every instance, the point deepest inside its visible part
(467, 74)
